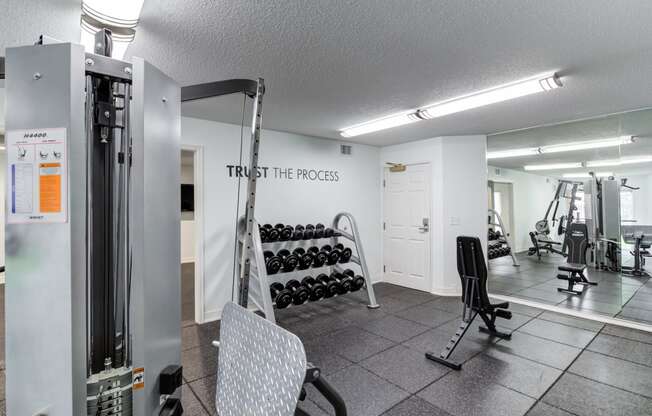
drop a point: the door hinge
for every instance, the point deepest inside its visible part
(384, 226)
(384, 268)
(384, 183)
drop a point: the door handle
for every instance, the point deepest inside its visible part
(426, 225)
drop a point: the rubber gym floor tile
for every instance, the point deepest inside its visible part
(522, 309)
(615, 372)
(542, 409)
(592, 306)
(390, 304)
(394, 328)
(311, 408)
(557, 332)
(407, 368)
(473, 333)
(364, 393)
(628, 333)
(622, 348)
(414, 406)
(319, 325)
(199, 362)
(416, 297)
(190, 403)
(355, 344)
(636, 314)
(572, 321)
(321, 356)
(383, 289)
(450, 304)
(463, 394)
(426, 314)
(550, 295)
(541, 350)
(435, 341)
(584, 397)
(361, 314)
(524, 376)
(204, 389)
(196, 335)
(640, 304)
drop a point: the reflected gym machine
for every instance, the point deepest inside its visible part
(540, 237)
(93, 286)
(602, 217)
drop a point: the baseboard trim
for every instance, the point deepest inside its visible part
(446, 292)
(188, 260)
(212, 315)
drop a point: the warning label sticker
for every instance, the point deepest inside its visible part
(37, 175)
(139, 378)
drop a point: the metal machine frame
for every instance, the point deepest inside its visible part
(505, 239)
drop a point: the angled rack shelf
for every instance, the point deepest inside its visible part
(258, 284)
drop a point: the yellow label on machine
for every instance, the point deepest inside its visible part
(139, 378)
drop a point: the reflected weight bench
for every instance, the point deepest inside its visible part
(472, 269)
(578, 238)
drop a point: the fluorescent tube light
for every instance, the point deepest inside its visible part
(531, 151)
(380, 124)
(554, 166)
(493, 95)
(591, 144)
(619, 162)
(587, 175)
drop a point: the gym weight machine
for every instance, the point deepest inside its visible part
(499, 245)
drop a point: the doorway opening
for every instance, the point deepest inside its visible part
(406, 226)
(191, 243)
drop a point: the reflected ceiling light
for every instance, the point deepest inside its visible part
(530, 151)
(619, 162)
(532, 85)
(588, 175)
(591, 144)
(554, 166)
(119, 16)
(380, 124)
(566, 147)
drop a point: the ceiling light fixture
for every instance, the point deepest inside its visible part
(119, 16)
(619, 162)
(566, 147)
(380, 124)
(554, 166)
(591, 144)
(588, 175)
(532, 85)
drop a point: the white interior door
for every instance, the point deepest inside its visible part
(406, 235)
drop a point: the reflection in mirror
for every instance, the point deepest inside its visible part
(577, 210)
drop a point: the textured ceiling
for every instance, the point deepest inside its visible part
(331, 64)
(637, 123)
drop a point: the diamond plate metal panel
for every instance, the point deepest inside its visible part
(261, 366)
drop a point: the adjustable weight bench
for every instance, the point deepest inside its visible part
(472, 269)
(578, 243)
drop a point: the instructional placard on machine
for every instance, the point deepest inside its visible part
(37, 176)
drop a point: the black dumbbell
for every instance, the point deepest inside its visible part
(332, 287)
(273, 263)
(332, 253)
(290, 261)
(345, 253)
(328, 232)
(358, 281)
(263, 234)
(280, 295)
(309, 232)
(305, 258)
(345, 281)
(319, 257)
(300, 293)
(286, 233)
(272, 233)
(319, 230)
(317, 290)
(298, 233)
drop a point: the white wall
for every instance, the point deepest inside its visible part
(279, 200)
(459, 197)
(532, 194)
(642, 198)
(187, 221)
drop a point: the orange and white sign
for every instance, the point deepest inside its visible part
(139, 379)
(37, 176)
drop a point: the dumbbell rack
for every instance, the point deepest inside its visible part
(504, 239)
(259, 280)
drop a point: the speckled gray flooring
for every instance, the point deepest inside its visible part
(616, 295)
(554, 364)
